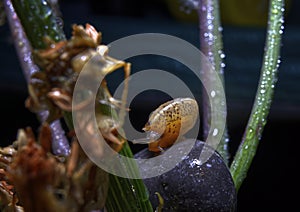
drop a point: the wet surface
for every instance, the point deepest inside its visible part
(193, 186)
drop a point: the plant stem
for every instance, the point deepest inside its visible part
(211, 46)
(60, 143)
(264, 95)
(38, 21)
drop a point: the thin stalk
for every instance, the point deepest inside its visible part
(211, 46)
(60, 143)
(264, 95)
(38, 21)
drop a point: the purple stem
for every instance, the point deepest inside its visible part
(211, 46)
(207, 46)
(60, 144)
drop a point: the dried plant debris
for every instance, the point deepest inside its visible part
(33, 179)
(52, 87)
(60, 64)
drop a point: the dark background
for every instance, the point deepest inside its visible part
(273, 180)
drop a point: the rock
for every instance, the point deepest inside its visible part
(191, 186)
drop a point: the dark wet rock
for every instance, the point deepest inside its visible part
(191, 186)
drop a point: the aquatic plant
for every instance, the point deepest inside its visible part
(211, 45)
(51, 64)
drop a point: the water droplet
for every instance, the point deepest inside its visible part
(185, 157)
(48, 13)
(275, 11)
(250, 133)
(208, 165)
(215, 132)
(213, 94)
(195, 162)
(21, 44)
(132, 188)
